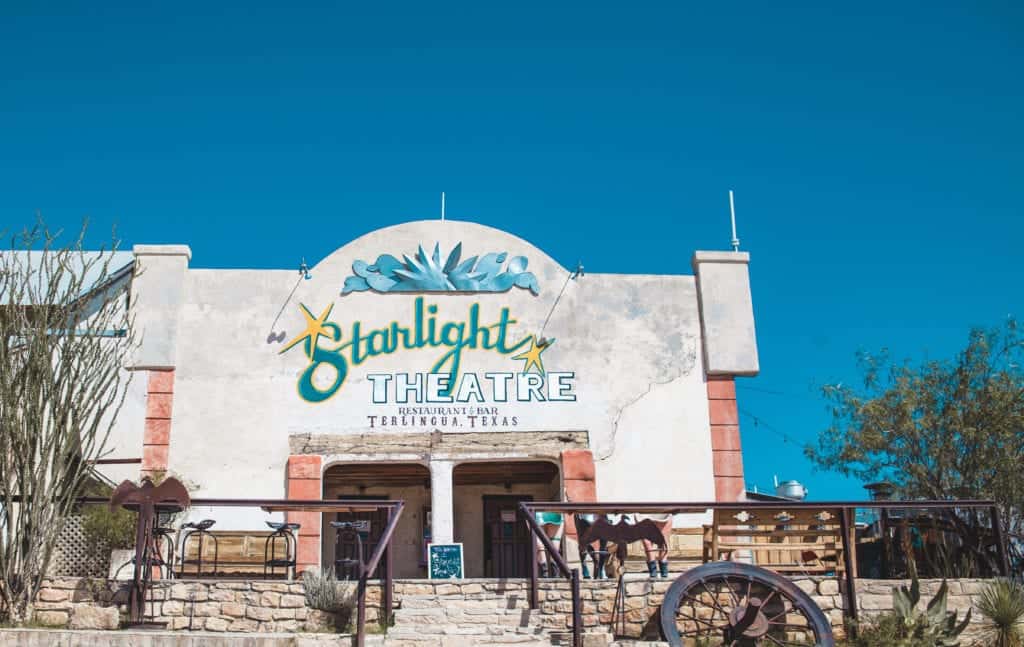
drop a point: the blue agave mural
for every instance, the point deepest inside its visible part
(423, 273)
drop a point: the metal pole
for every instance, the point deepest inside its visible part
(361, 607)
(577, 611)
(851, 582)
(534, 584)
(138, 592)
(388, 580)
(997, 529)
(883, 528)
(563, 566)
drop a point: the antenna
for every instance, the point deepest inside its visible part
(732, 213)
(442, 207)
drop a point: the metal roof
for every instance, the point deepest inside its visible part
(119, 267)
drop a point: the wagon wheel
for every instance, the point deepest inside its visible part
(740, 605)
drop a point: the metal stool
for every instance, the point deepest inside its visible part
(346, 563)
(162, 539)
(282, 532)
(163, 542)
(202, 529)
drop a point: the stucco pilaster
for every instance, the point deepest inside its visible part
(441, 502)
(156, 433)
(725, 438)
(304, 481)
(157, 295)
(726, 313)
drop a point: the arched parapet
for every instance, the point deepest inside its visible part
(442, 257)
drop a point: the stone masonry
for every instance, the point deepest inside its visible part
(424, 607)
(242, 606)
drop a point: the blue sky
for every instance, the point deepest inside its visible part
(876, 150)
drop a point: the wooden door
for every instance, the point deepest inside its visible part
(507, 540)
(346, 546)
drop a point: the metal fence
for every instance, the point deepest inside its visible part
(900, 532)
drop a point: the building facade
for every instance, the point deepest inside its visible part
(448, 364)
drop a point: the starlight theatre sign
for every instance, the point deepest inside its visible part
(443, 395)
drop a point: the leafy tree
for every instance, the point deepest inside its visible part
(941, 429)
(65, 333)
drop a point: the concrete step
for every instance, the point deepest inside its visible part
(155, 638)
(486, 616)
(482, 601)
(466, 641)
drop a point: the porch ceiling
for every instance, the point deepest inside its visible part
(412, 474)
(377, 474)
(505, 472)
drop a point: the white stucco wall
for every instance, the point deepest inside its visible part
(125, 438)
(632, 342)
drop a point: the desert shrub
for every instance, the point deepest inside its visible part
(103, 526)
(1002, 603)
(322, 590)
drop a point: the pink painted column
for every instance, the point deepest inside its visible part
(580, 479)
(725, 438)
(156, 435)
(304, 482)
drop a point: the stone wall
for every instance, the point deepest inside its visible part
(247, 606)
(254, 606)
(643, 599)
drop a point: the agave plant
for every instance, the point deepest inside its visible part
(427, 273)
(1002, 602)
(933, 625)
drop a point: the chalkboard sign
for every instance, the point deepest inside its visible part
(445, 562)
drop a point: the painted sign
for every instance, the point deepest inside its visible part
(438, 392)
(424, 332)
(445, 562)
(423, 273)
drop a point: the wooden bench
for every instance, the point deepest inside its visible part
(239, 554)
(799, 541)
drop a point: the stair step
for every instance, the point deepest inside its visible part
(494, 618)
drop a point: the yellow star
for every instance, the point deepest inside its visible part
(532, 356)
(315, 327)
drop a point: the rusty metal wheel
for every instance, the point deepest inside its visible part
(740, 605)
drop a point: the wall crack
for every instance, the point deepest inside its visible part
(618, 416)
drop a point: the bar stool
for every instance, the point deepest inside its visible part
(283, 532)
(163, 543)
(199, 530)
(345, 563)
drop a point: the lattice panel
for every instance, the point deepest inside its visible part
(76, 556)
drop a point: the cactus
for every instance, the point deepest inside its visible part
(934, 625)
(906, 626)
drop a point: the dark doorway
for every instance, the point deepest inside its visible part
(507, 543)
(346, 545)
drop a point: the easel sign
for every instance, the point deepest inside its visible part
(444, 562)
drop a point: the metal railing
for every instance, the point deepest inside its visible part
(382, 551)
(847, 510)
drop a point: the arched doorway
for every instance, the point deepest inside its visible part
(486, 495)
(407, 481)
